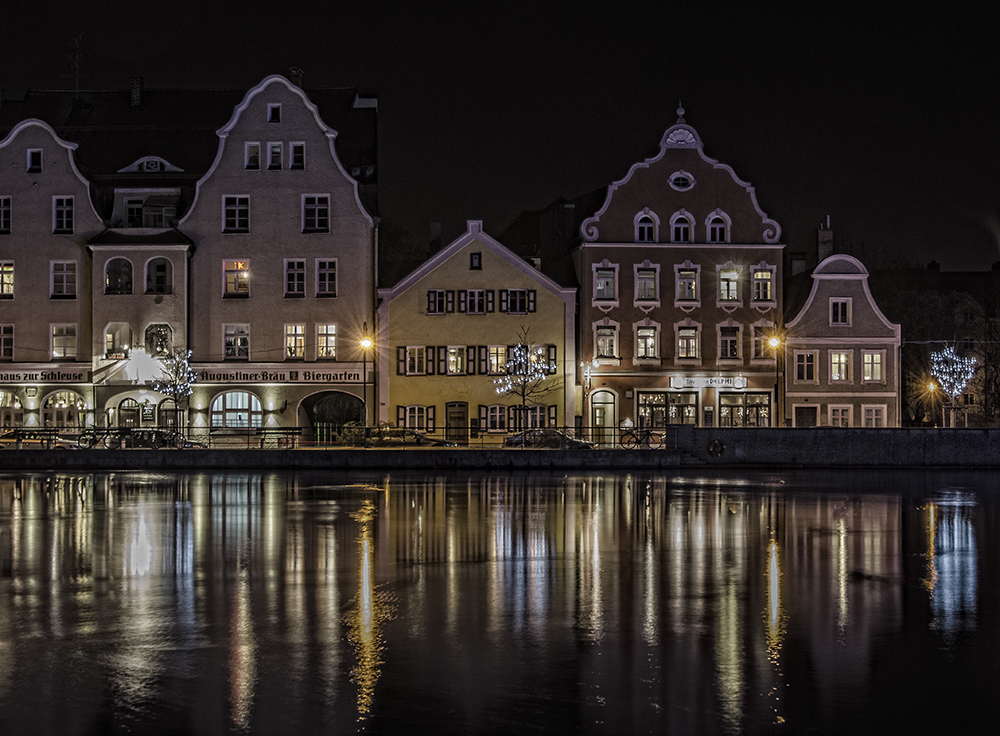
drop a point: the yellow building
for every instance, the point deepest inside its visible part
(450, 330)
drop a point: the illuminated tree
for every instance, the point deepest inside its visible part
(527, 374)
(177, 377)
(952, 371)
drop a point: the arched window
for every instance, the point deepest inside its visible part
(158, 340)
(681, 227)
(647, 226)
(159, 277)
(118, 276)
(717, 230)
(11, 411)
(64, 409)
(236, 409)
(129, 413)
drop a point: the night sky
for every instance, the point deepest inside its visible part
(887, 124)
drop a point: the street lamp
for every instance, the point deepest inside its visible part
(366, 344)
(775, 342)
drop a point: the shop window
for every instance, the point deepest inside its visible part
(236, 409)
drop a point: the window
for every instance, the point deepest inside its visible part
(496, 418)
(315, 213)
(237, 342)
(840, 416)
(687, 342)
(645, 285)
(805, 367)
(274, 112)
(236, 409)
(680, 228)
(295, 342)
(63, 280)
(604, 284)
(497, 359)
(295, 279)
(297, 157)
(415, 417)
(681, 181)
(158, 339)
(729, 285)
(236, 214)
(118, 276)
(729, 343)
(871, 366)
(236, 279)
(326, 342)
(840, 365)
(273, 156)
(687, 285)
(874, 416)
(718, 230)
(6, 342)
(133, 211)
(326, 278)
(763, 285)
(158, 277)
(475, 261)
(518, 301)
(4, 215)
(645, 343)
(416, 356)
(117, 340)
(456, 360)
(475, 301)
(34, 160)
(63, 342)
(645, 230)
(251, 157)
(607, 341)
(840, 312)
(62, 215)
(6, 279)
(436, 301)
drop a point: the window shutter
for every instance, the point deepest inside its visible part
(449, 301)
(513, 415)
(484, 360)
(504, 300)
(483, 416)
(552, 360)
(531, 300)
(509, 356)
(489, 300)
(430, 418)
(470, 360)
(400, 416)
(401, 360)
(430, 301)
(442, 360)
(553, 415)
(429, 361)
(463, 301)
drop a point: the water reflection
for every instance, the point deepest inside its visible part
(270, 602)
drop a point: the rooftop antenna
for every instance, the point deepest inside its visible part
(74, 64)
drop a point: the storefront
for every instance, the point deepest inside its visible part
(52, 396)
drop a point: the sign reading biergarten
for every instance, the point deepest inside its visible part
(228, 373)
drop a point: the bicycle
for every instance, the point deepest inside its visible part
(634, 438)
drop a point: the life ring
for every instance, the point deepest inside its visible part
(716, 448)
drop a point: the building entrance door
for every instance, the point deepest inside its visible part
(806, 416)
(457, 422)
(602, 418)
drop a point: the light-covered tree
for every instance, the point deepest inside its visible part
(177, 379)
(952, 371)
(528, 374)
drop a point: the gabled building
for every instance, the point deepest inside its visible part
(841, 353)
(680, 273)
(448, 330)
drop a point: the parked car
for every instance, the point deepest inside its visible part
(547, 438)
(29, 439)
(410, 437)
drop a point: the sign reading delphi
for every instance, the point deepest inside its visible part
(738, 382)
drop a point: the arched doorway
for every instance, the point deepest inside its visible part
(603, 420)
(64, 409)
(329, 411)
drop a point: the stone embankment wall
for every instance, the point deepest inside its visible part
(689, 447)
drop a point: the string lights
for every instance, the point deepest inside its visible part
(952, 371)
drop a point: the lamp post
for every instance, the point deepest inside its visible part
(366, 344)
(775, 343)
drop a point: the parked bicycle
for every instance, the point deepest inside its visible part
(634, 438)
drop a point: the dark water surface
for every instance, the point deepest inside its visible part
(819, 602)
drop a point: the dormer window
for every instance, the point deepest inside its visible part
(717, 230)
(274, 112)
(680, 228)
(644, 230)
(34, 160)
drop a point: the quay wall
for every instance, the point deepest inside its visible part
(689, 447)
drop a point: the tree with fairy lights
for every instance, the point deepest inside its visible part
(177, 378)
(953, 372)
(527, 374)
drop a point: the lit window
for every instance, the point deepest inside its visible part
(840, 364)
(729, 285)
(237, 342)
(456, 360)
(64, 342)
(645, 343)
(687, 342)
(4, 215)
(237, 279)
(62, 215)
(607, 341)
(295, 279)
(238, 409)
(235, 214)
(645, 284)
(763, 290)
(273, 156)
(497, 359)
(63, 280)
(326, 342)
(840, 312)
(295, 341)
(326, 278)
(604, 284)
(251, 157)
(729, 343)
(717, 230)
(6, 279)
(687, 285)
(416, 356)
(645, 229)
(298, 156)
(872, 366)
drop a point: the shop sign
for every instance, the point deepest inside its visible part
(47, 375)
(276, 373)
(737, 382)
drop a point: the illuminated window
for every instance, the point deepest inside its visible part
(687, 342)
(729, 285)
(604, 284)
(645, 343)
(687, 285)
(236, 278)
(63, 342)
(871, 366)
(326, 341)
(456, 360)
(237, 409)
(763, 285)
(645, 284)
(295, 342)
(840, 366)
(497, 359)
(607, 341)
(6, 279)
(416, 356)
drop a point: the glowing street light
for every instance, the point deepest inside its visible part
(775, 343)
(366, 344)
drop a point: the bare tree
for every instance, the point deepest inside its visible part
(528, 374)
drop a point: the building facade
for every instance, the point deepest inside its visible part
(451, 329)
(842, 354)
(680, 276)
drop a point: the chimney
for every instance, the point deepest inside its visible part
(136, 92)
(435, 243)
(824, 242)
(295, 74)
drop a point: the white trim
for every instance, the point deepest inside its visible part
(718, 213)
(679, 173)
(605, 305)
(841, 407)
(646, 305)
(682, 214)
(646, 212)
(687, 305)
(729, 305)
